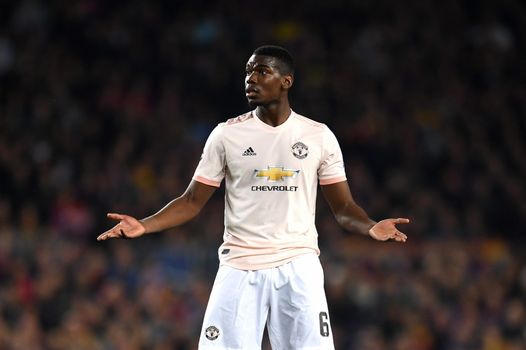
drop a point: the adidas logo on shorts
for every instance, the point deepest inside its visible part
(249, 152)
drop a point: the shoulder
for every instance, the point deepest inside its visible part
(226, 127)
(239, 119)
(319, 129)
(308, 122)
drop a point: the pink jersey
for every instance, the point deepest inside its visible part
(271, 177)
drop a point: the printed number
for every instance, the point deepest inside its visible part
(324, 325)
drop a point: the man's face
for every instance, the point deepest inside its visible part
(264, 84)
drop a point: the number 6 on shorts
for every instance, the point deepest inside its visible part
(324, 325)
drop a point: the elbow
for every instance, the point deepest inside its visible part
(344, 221)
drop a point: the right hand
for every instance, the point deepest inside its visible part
(128, 227)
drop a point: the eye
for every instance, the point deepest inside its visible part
(259, 71)
(263, 71)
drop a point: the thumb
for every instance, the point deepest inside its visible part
(115, 216)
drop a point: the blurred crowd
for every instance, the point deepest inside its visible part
(106, 106)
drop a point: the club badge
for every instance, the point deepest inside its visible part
(300, 150)
(212, 333)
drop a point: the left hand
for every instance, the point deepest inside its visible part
(386, 229)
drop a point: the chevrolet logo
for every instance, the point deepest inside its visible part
(276, 173)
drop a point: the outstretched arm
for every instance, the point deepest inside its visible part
(177, 212)
(353, 218)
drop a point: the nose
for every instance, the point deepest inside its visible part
(251, 78)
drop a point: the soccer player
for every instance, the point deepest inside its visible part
(272, 160)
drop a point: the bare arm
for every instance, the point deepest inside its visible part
(177, 212)
(353, 218)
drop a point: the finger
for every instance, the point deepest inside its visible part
(108, 234)
(400, 236)
(103, 236)
(400, 233)
(115, 216)
(401, 221)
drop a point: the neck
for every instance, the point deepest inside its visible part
(274, 114)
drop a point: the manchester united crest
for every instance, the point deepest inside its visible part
(300, 150)
(212, 333)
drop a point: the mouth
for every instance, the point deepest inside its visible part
(251, 92)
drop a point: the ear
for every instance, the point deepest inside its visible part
(287, 81)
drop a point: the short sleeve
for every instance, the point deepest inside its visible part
(211, 167)
(332, 168)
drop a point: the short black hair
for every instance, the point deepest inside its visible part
(284, 57)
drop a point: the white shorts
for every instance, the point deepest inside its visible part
(289, 299)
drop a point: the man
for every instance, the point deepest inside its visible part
(272, 160)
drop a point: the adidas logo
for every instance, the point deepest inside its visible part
(249, 152)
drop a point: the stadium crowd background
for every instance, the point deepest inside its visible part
(106, 106)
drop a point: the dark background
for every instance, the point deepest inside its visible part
(106, 107)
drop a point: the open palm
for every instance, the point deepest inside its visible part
(128, 227)
(386, 229)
